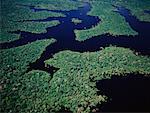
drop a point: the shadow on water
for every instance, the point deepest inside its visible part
(129, 93)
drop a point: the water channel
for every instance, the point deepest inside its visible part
(66, 40)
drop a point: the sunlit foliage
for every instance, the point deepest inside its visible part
(16, 88)
(73, 85)
(28, 94)
(12, 14)
(112, 22)
(137, 8)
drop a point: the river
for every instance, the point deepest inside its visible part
(124, 89)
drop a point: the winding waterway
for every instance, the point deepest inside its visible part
(65, 36)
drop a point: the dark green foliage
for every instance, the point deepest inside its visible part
(15, 95)
(34, 92)
(72, 84)
(112, 22)
(137, 8)
(29, 94)
(12, 13)
(54, 4)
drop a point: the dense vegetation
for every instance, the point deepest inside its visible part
(14, 84)
(112, 22)
(53, 4)
(137, 8)
(73, 86)
(13, 12)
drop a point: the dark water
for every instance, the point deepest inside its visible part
(129, 94)
(118, 87)
(147, 11)
(64, 34)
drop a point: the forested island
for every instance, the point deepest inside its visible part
(77, 56)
